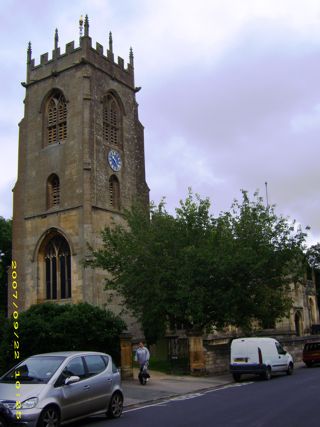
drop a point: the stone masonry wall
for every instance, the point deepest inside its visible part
(217, 358)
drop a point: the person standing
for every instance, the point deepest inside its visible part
(142, 357)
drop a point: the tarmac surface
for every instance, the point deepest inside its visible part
(163, 386)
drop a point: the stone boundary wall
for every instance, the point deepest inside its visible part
(217, 356)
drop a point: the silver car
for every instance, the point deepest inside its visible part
(50, 389)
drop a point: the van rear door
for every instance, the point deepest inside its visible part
(239, 351)
(244, 352)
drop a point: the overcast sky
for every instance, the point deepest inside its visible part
(230, 93)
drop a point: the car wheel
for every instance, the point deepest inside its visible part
(49, 417)
(267, 374)
(236, 377)
(115, 406)
(290, 369)
(3, 422)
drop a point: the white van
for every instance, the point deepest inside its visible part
(261, 356)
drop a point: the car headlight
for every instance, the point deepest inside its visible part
(29, 403)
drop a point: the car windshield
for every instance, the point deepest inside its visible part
(37, 369)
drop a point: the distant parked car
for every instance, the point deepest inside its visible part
(259, 355)
(47, 390)
(311, 353)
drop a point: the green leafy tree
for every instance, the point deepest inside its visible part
(52, 327)
(313, 256)
(5, 261)
(199, 270)
(264, 255)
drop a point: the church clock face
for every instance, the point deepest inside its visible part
(114, 160)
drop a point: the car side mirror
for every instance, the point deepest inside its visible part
(72, 379)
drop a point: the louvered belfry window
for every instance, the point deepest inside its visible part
(111, 121)
(56, 119)
(53, 191)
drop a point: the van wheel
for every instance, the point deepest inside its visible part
(267, 374)
(290, 369)
(236, 377)
(308, 364)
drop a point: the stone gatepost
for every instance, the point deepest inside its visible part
(196, 354)
(126, 356)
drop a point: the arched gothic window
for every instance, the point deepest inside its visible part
(53, 191)
(112, 120)
(56, 119)
(114, 192)
(58, 268)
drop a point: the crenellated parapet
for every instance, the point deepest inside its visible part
(78, 56)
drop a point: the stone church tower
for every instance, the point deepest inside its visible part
(81, 163)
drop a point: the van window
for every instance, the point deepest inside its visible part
(280, 349)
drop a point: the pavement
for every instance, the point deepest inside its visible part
(163, 386)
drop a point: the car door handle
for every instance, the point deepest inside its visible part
(86, 387)
(109, 379)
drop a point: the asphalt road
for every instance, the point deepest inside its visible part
(285, 401)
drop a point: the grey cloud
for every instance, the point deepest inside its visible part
(239, 113)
